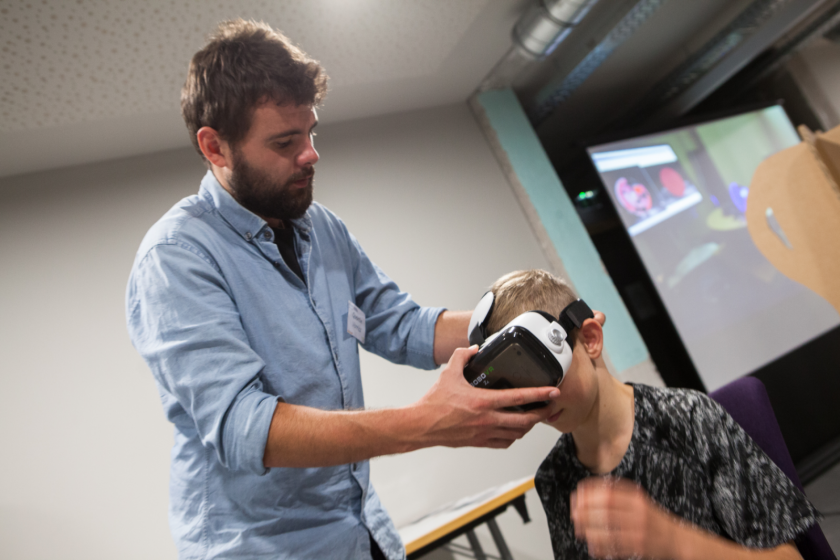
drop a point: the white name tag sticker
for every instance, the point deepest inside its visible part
(356, 322)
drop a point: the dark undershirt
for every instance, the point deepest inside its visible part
(285, 240)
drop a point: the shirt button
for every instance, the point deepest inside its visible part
(248, 236)
(267, 235)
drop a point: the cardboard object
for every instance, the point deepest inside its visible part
(793, 212)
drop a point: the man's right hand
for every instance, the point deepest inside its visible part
(455, 414)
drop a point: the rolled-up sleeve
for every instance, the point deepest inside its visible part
(397, 328)
(184, 322)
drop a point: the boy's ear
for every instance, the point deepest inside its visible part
(591, 338)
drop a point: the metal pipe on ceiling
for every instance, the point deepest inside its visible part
(562, 87)
(545, 24)
(537, 33)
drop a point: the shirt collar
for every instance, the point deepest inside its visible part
(245, 222)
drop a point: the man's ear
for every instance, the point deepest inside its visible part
(213, 147)
(591, 337)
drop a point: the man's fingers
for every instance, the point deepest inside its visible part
(461, 356)
(510, 433)
(521, 421)
(501, 437)
(499, 443)
(457, 363)
(503, 398)
(600, 317)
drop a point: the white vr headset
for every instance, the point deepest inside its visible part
(532, 350)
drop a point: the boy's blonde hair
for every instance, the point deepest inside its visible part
(528, 290)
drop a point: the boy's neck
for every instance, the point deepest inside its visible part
(603, 437)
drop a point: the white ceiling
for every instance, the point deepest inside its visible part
(87, 80)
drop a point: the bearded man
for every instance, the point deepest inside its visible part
(238, 301)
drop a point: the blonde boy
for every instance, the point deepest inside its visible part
(648, 472)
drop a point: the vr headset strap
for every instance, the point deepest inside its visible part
(573, 316)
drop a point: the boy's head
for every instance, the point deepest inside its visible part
(538, 290)
(528, 290)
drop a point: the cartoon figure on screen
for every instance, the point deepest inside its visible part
(635, 198)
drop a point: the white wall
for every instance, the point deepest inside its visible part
(85, 456)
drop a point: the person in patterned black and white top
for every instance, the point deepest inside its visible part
(647, 472)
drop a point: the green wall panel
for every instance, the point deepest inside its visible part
(557, 214)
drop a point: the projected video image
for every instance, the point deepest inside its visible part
(649, 184)
(682, 196)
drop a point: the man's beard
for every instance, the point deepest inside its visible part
(263, 196)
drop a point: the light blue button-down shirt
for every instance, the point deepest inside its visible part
(228, 329)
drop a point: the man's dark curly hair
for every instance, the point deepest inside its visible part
(244, 64)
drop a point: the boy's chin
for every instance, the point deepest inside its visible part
(561, 421)
(567, 421)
